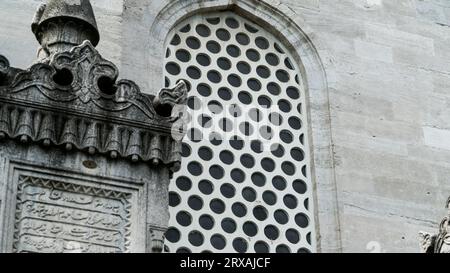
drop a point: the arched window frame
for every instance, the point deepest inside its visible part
(318, 75)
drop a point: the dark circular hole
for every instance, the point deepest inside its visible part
(273, 88)
(216, 171)
(249, 194)
(250, 28)
(256, 146)
(228, 225)
(250, 229)
(184, 218)
(247, 161)
(193, 72)
(172, 235)
(174, 199)
(64, 77)
(263, 71)
(195, 202)
(243, 67)
(204, 90)
(240, 245)
(295, 123)
(193, 42)
(213, 21)
(283, 249)
(175, 40)
(183, 183)
(269, 197)
(282, 76)
(231, 22)
(253, 55)
(244, 97)
(272, 59)
(242, 38)
(258, 179)
(293, 236)
(299, 186)
(254, 84)
(185, 150)
(279, 183)
(233, 51)
(281, 216)
(206, 222)
(106, 85)
(203, 59)
(226, 157)
(288, 168)
(205, 187)
(293, 92)
(237, 175)
(224, 63)
(195, 238)
(236, 142)
(227, 190)
(224, 93)
(205, 153)
(213, 47)
(183, 55)
(260, 213)
(262, 43)
(277, 150)
(271, 232)
(217, 206)
(239, 209)
(268, 164)
(290, 201)
(234, 80)
(223, 34)
(261, 247)
(195, 168)
(214, 76)
(284, 105)
(203, 30)
(301, 220)
(173, 68)
(217, 241)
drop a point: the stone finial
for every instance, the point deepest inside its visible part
(60, 25)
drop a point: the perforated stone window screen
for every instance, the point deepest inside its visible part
(244, 182)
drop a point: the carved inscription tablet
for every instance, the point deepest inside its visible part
(54, 216)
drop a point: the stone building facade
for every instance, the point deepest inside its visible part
(372, 83)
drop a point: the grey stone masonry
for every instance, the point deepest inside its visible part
(85, 158)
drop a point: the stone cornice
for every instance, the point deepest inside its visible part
(74, 99)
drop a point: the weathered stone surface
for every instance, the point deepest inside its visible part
(86, 158)
(392, 97)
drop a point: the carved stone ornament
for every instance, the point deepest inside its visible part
(85, 158)
(440, 243)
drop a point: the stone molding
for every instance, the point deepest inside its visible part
(75, 100)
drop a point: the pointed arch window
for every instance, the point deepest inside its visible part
(244, 184)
